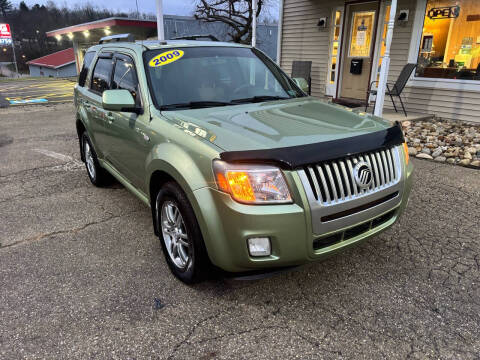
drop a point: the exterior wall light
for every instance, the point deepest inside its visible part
(403, 15)
(322, 22)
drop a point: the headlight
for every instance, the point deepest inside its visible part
(252, 184)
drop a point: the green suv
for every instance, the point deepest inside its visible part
(241, 169)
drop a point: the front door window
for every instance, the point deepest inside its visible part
(361, 33)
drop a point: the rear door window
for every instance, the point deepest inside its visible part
(102, 74)
(87, 62)
(125, 76)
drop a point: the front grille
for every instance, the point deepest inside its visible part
(354, 210)
(352, 232)
(333, 182)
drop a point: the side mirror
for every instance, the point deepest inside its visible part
(118, 100)
(302, 84)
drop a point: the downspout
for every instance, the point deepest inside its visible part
(254, 23)
(14, 56)
(382, 84)
(280, 35)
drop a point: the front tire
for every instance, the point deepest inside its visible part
(97, 175)
(180, 235)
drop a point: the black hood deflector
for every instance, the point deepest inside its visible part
(293, 157)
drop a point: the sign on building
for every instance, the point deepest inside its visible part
(447, 12)
(5, 34)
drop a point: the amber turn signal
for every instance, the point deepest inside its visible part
(240, 186)
(405, 150)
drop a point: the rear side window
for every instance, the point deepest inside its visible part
(102, 75)
(87, 62)
(125, 77)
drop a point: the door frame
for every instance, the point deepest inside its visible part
(378, 42)
(343, 49)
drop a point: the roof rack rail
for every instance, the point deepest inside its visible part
(195, 37)
(117, 38)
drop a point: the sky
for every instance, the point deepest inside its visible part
(170, 7)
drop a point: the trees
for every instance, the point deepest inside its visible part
(22, 6)
(236, 14)
(29, 25)
(5, 7)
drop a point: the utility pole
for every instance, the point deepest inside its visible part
(382, 83)
(14, 57)
(160, 29)
(254, 23)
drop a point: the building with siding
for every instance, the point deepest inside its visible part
(58, 64)
(441, 36)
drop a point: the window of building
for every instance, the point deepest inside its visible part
(334, 51)
(450, 43)
(102, 75)
(383, 41)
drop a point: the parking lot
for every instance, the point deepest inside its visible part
(82, 274)
(32, 91)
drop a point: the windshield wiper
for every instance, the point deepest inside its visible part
(194, 105)
(256, 99)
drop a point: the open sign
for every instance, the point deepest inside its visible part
(5, 32)
(447, 12)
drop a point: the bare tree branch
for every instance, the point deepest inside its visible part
(236, 14)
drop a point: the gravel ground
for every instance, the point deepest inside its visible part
(82, 275)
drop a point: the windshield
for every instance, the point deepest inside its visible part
(191, 77)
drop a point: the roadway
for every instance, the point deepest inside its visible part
(82, 275)
(32, 91)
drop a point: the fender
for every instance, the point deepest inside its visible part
(176, 162)
(173, 160)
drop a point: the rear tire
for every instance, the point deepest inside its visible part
(180, 235)
(97, 175)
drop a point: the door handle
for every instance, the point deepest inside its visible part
(110, 118)
(144, 135)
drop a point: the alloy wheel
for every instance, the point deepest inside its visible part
(89, 160)
(175, 235)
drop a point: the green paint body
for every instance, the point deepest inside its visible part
(184, 143)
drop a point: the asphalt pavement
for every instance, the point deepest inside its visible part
(82, 275)
(33, 91)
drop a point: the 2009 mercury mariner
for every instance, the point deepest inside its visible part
(241, 169)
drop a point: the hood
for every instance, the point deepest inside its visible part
(276, 124)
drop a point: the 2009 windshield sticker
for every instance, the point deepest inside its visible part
(166, 58)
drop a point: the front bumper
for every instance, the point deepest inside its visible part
(226, 225)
